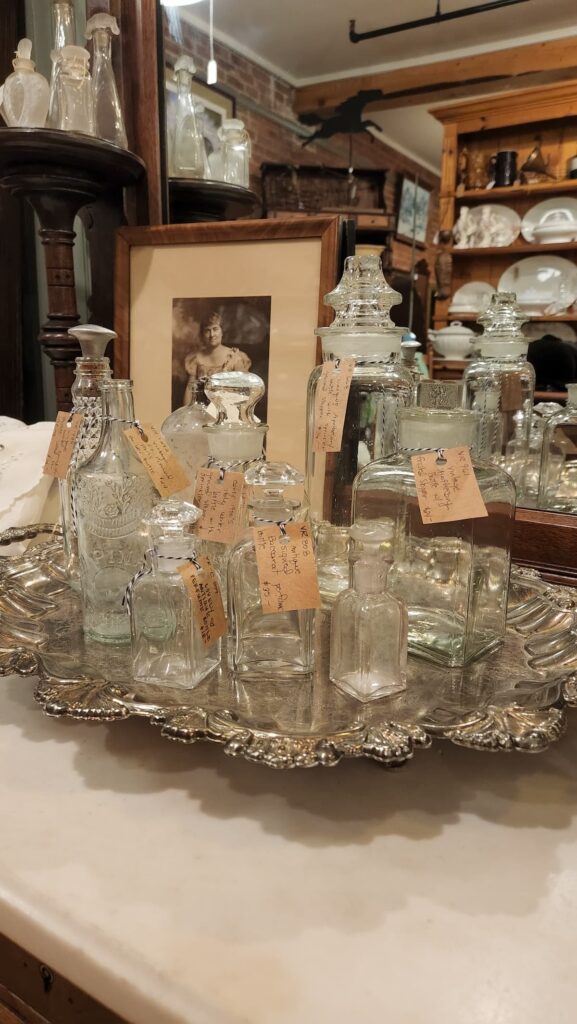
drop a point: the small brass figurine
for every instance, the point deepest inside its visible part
(444, 265)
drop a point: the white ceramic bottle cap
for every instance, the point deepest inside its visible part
(93, 339)
(427, 429)
(101, 21)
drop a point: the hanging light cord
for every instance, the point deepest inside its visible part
(212, 70)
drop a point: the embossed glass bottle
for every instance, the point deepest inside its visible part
(380, 386)
(259, 643)
(92, 371)
(184, 430)
(114, 494)
(108, 119)
(189, 157)
(500, 384)
(558, 477)
(369, 625)
(454, 576)
(167, 647)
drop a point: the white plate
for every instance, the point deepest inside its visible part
(491, 225)
(561, 330)
(543, 284)
(565, 207)
(473, 297)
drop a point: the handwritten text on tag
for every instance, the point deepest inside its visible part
(287, 569)
(62, 443)
(447, 489)
(204, 589)
(222, 500)
(331, 399)
(162, 466)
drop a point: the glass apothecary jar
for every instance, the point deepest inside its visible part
(380, 386)
(184, 429)
(188, 155)
(558, 476)
(452, 576)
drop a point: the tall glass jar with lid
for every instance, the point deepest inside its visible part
(558, 476)
(452, 576)
(380, 386)
(184, 429)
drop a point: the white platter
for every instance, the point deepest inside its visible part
(490, 225)
(473, 297)
(543, 284)
(560, 211)
(560, 330)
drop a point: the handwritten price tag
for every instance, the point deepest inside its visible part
(161, 464)
(62, 443)
(331, 399)
(447, 489)
(287, 568)
(204, 589)
(222, 500)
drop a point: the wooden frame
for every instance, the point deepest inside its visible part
(406, 201)
(162, 270)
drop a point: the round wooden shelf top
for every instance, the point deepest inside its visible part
(51, 151)
(194, 200)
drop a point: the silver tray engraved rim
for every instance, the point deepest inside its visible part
(526, 712)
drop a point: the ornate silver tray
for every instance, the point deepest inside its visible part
(516, 699)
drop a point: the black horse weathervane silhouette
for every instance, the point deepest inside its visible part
(347, 117)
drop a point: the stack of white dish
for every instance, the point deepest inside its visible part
(552, 222)
(472, 298)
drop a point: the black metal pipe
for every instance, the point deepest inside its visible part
(433, 19)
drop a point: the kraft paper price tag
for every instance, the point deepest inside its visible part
(204, 589)
(162, 466)
(222, 500)
(62, 444)
(511, 393)
(287, 568)
(447, 489)
(331, 399)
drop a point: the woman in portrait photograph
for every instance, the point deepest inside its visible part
(212, 356)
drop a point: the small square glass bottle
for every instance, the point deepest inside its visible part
(167, 646)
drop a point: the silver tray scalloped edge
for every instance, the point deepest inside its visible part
(516, 699)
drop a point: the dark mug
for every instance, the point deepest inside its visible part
(504, 164)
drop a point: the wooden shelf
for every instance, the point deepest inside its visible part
(521, 247)
(473, 317)
(483, 195)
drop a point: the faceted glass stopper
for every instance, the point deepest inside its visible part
(234, 389)
(503, 317)
(172, 518)
(274, 486)
(362, 297)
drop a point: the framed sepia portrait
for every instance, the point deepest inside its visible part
(192, 299)
(413, 212)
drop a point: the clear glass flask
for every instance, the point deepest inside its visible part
(75, 97)
(380, 386)
(63, 34)
(369, 625)
(108, 119)
(113, 497)
(184, 430)
(92, 371)
(500, 385)
(235, 152)
(454, 576)
(167, 646)
(259, 643)
(558, 477)
(189, 157)
(25, 93)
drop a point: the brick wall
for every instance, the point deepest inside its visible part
(277, 143)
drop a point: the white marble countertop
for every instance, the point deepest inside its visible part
(176, 885)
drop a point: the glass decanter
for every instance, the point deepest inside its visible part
(63, 34)
(92, 371)
(500, 384)
(380, 386)
(184, 430)
(235, 152)
(167, 646)
(108, 119)
(189, 157)
(454, 576)
(113, 496)
(25, 94)
(259, 643)
(75, 97)
(369, 625)
(558, 477)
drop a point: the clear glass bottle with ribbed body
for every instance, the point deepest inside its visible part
(500, 385)
(75, 96)
(167, 647)
(113, 496)
(108, 119)
(63, 34)
(189, 157)
(454, 576)
(92, 371)
(558, 477)
(277, 643)
(380, 386)
(184, 430)
(235, 152)
(369, 625)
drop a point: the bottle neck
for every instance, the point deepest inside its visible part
(370, 574)
(117, 413)
(102, 43)
(63, 20)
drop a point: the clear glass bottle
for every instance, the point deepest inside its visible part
(75, 97)
(108, 119)
(25, 93)
(235, 152)
(189, 157)
(409, 349)
(500, 384)
(369, 625)
(380, 386)
(167, 646)
(453, 577)
(259, 643)
(184, 430)
(113, 496)
(63, 34)
(542, 411)
(92, 371)
(558, 477)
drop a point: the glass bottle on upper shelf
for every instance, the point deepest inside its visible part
(453, 576)
(108, 119)
(278, 642)
(63, 34)
(75, 96)
(25, 93)
(114, 494)
(500, 386)
(184, 429)
(92, 371)
(167, 646)
(189, 157)
(369, 625)
(380, 386)
(558, 477)
(235, 152)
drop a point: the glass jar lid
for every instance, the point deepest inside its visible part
(502, 322)
(428, 429)
(276, 490)
(362, 302)
(235, 394)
